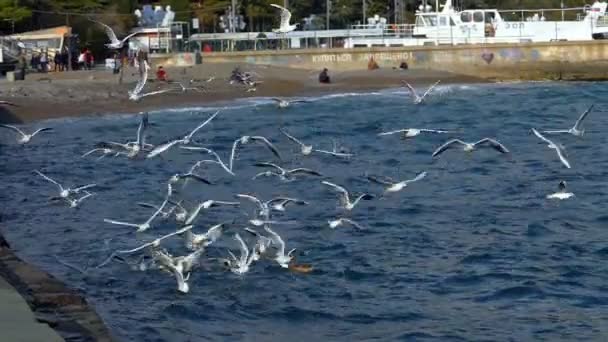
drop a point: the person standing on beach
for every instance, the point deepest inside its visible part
(44, 62)
(82, 61)
(57, 61)
(21, 66)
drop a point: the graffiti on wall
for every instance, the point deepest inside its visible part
(364, 57)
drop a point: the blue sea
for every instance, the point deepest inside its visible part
(472, 252)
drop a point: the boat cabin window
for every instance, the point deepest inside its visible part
(478, 16)
(443, 21)
(490, 17)
(466, 17)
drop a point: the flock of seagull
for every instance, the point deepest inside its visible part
(264, 244)
(264, 241)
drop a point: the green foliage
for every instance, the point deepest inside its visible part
(10, 10)
(181, 9)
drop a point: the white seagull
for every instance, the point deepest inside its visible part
(470, 147)
(114, 42)
(280, 203)
(261, 246)
(281, 258)
(308, 149)
(345, 196)
(143, 226)
(247, 139)
(241, 265)
(419, 99)
(394, 186)
(132, 148)
(282, 103)
(577, 129)
(197, 241)
(333, 224)
(179, 266)
(562, 193)
(217, 160)
(25, 138)
(413, 132)
(284, 27)
(205, 205)
(283, 174)
(136, 94)
(557, 148)
(65, 192)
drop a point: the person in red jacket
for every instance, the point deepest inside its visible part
(161, 74)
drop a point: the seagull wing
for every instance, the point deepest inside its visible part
(285, 15)
(158, 92)
(252, 199)
(143, 78)
(189, 136)
(276, 240)
(494, 144)
(410, 88)
(303, 170)
(380, 181)
(394, 132)
(579, 122)
(234, 146)
(447, 145)
(120, 223)
(129, 36)
(41, 130)
(14, 129)
(8, 103)
(352, 223)
(433, 130)
(109, 32)
(561, 156)
(83, 187)
(265, 164)
(337, 154)
(292, 138)
(417, 178)
(266, 142)
(557, 131)
(542, 137)
(244, 249)
(162, 148)
(428, 91)
(141, 130)
(49, 179)
(214, 233)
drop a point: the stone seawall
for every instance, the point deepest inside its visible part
(497, 62)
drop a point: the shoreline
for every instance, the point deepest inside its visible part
(98, 92)
(50, 301)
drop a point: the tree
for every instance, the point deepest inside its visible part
(181, 9)
(10, 10)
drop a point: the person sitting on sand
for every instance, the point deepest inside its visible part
(403, 65)
(324, 77)
(161, 74)
(372, 65)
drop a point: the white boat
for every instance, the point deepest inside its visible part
(487, 26)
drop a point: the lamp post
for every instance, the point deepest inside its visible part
(327, 8)
(437, 21)
(364, 5)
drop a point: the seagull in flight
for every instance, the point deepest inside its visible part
(283, 174)
(185, 176)
(25, 138)
(308, 149)
(179, 266)
(241, 265)
(136, 94)
(262, 244)
(470, 147)
(557, 148)
(132, 148)
(562, 193)
(282, 103)
(333, 224)
(280, 203)
(114, 42)
(408, 133)
(65, 192)
(284, 27)
(577, 129)
(7, 103)
(281, 258)
(394, 186)
(198, 241)
(345, 196)
(189, 217)
(417, 98)
(217, 160)
(247, 139)
(143, 226)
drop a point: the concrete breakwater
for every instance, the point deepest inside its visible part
(498, 62)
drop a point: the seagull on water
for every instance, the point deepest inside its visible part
(557, 148)
(281, 258)
(345, 196)
(419, 99)
(75, 202)
(280, 203)
(333, 224)
(282, 103)
(393, 186)
(65, 192)
(562, 193)
(187, 139)
(409, 133)
(114, 42)
(470, 147)
(247, 139)
(241, 265)
(284, 27)
(283, 174)
(198, 241)
(185, 176)
(308, 149)
(577, 129)
(132, 148)
(25, 138)
(179, 266)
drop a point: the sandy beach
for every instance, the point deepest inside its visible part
(96, 92)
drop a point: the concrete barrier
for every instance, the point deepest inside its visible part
(530, 61)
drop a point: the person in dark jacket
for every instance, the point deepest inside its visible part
(324, 77)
